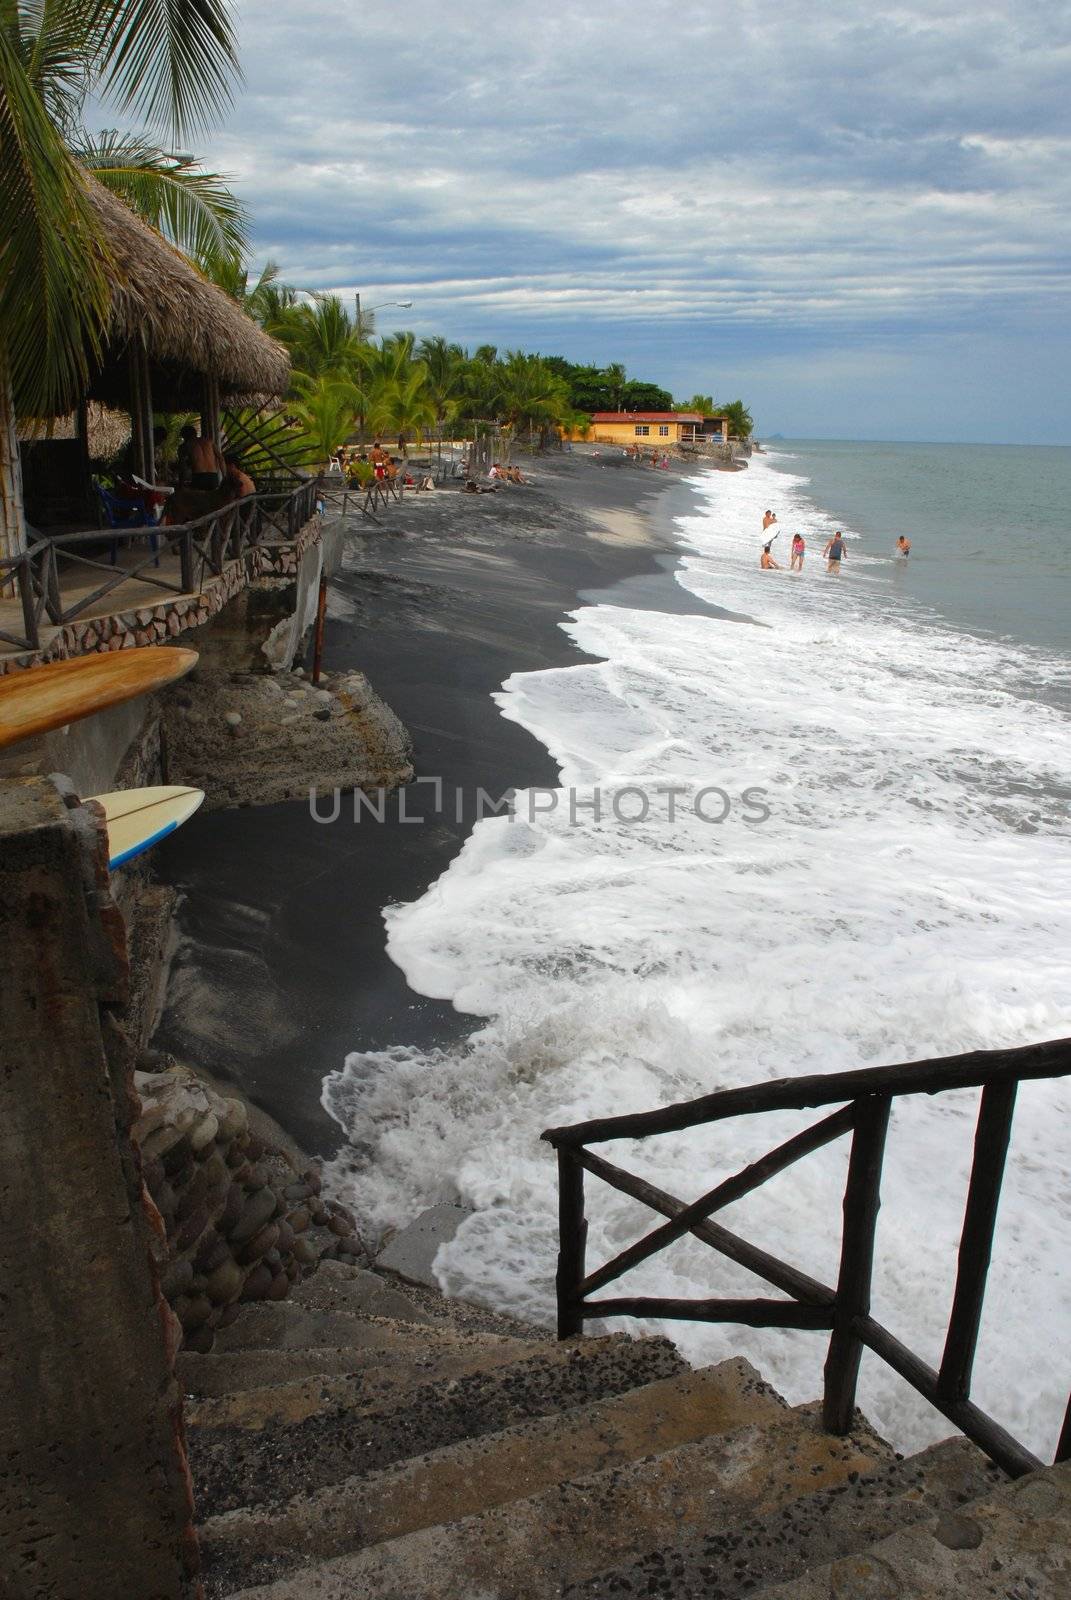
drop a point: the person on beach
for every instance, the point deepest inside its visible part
(799, 549)
(834, 553)
(768, 519)
(767, 562)
(903, 547)
(200, 463)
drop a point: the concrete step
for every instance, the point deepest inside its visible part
(475, 1474)
(1013, 1544)
(332, 1288)
(820, 1527)
(531, 1549)
(337, 1287)
(371, 1379)
(234, 1466)
(374, 1342)
(282, 1325)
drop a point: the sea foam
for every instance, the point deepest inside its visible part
(909, 895)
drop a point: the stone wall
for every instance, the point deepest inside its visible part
(241, 1220)
(96, 1497)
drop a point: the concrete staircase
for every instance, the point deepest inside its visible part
(356, 1441)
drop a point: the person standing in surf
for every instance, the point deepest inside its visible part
(834, 553)
(767, 562)
(799, 549)
(768, 519)
(903, 547)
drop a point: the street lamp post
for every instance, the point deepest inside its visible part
(403, 305)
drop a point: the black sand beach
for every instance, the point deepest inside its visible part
(280, 968)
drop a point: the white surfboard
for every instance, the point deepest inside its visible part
(140, 818)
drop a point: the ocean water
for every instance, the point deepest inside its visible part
(908, 894)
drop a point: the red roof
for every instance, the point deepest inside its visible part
(646, 416)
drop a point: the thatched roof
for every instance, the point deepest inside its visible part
(191, 328)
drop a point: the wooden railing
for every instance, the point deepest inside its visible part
(203, 546)
(842, 1311)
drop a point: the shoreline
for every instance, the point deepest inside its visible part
(280, 968)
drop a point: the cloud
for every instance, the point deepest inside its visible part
(836, 175)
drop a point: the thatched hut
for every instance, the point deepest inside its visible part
(175, 342)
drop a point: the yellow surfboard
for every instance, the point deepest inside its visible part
(43, 698)
(140, 818)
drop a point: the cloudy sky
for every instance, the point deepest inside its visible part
(855, 216)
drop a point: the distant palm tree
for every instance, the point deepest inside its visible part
(741, 422)
(615, 378)
(170, 62)
(445, 366)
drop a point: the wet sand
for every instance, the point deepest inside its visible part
(280, 967)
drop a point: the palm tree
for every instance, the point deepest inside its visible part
(741, 422)
(172, 192)
(326, 411)
(171, 63)
(532, 392)
(445, 367)
(322, 338)
(401, 404)
(615, 378)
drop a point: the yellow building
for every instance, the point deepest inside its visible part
(650, 429)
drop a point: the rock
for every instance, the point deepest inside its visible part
(258, 1210)
(204, 1131)
(225, 1284)
(263, 1240)
(280, 1287)
(200, 1340)
(174, 626)
(232, 718)
(299, 1219)
(232, 1208)
(176, 1279)
(212, 1252)
(257, 1283)
(192, 1311)
(191, 1229)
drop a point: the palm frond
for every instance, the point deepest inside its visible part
(194, 208)
(171, 62)
(56, 46)
(54, 293)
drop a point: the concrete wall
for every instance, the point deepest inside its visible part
(95, 1499)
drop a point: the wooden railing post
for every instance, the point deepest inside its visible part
(50, 580)
(186, 560)
(976, 1241)
(572, 1243)
(862, 1199)
(29, 610)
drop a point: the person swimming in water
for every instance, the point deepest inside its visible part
(903, 547)
(767, 562)
(799, 550)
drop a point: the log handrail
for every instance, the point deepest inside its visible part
(217, 536)
(865, 1099)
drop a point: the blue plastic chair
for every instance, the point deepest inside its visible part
(120, 513)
